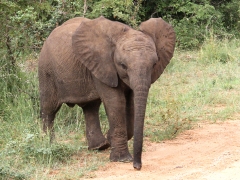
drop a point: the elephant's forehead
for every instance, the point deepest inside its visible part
(138, 46)
(136, 40)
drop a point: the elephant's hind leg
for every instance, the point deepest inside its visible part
(49, 105)
(95, 138)
(48, 120)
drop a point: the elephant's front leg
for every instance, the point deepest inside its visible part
(115, 106)
(95, 138)
(117, 135)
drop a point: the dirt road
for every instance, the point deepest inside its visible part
(208, 152)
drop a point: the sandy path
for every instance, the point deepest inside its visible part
(210, 151)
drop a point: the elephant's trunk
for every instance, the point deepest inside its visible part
(140, 101)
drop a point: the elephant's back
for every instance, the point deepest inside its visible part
(57, 57)
(57, 53)
(58, 45)
(62, 35)
(59, 65)
(77, 20)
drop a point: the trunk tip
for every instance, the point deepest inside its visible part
(137, 166)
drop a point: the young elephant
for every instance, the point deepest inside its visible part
(86, 62)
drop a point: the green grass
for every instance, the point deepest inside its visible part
(197, 86)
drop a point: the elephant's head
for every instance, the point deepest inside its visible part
(110, 49)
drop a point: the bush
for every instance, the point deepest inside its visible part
(219, 50)
(123, 11)
(191, 20)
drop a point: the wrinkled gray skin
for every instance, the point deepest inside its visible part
(86, 62)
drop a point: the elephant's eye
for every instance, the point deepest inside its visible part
(123, 66)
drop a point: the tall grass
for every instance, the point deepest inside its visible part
(197, 86)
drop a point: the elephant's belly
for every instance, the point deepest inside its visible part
(76, 91)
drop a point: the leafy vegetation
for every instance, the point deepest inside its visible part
(194, 20)
(201, 82)
(27, 23)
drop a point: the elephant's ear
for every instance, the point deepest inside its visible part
(164, 37)
(93, 43)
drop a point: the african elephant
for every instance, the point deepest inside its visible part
(86, 62)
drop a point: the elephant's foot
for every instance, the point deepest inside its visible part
(98, 145)
(120, 156)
